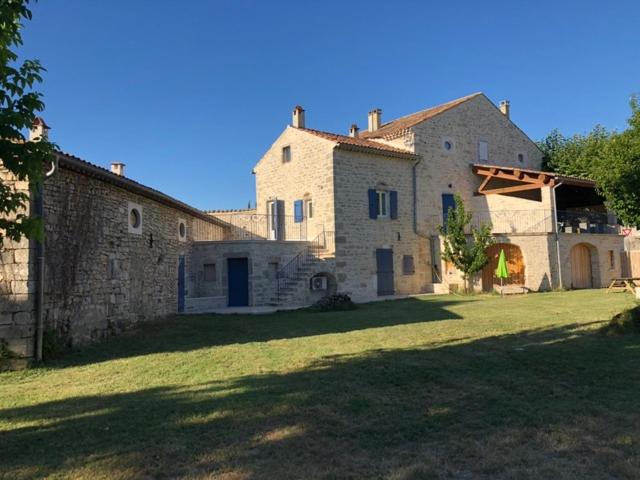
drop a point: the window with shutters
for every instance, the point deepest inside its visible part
(383, 204)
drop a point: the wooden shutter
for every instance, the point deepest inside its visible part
(298, 213)
(393, 204)
(373, 204)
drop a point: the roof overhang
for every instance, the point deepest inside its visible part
(523, 179)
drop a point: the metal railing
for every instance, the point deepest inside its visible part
(294, 269)
(537, 221)
(586, 221)
(255, 226)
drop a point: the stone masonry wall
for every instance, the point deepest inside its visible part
(100, 278)
(309, 174)
(17, 293)
(265, 258)
(358, 236)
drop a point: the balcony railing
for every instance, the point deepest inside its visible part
(584, 221)
(539, 221)
(253, 226)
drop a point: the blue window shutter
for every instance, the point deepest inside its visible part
(297, 211)
(393, 204)
(373, 204)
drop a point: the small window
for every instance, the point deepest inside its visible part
(408, 267)
(521, 157)
(286, 154)
(182, 230)
(134, 218)
(209, 272)
(448, 145)
(309, 208)
(383, 203)
(612, 260)
(273, 269)
(483, 151)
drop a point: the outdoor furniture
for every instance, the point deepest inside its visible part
(623, 284)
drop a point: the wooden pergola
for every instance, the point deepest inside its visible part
(519, 179)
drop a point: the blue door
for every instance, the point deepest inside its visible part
(384, 264)
(448, 201)
(181, 284)
(238, 281)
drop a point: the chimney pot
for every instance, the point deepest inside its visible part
(298, 117)
(118, 168)
(354, 131)
(505, 108)
(375, 119)
(39, 130)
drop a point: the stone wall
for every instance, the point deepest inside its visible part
(17, 292)
(309, 175)
(265, 258)
(358, 236)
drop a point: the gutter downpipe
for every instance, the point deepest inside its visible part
(40, 257)
(555, 229)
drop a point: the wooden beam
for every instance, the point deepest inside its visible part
(516, 188)
(484, 183)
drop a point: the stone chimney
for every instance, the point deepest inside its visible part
(375, 119)
(505, 108)
(118, 168)
(298, 117)
(354, 131)
(39, 130)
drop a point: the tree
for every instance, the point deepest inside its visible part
(466, 252)
(611, 159)
(19, 106)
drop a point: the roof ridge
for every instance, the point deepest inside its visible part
(408, 119)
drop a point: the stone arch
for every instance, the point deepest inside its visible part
(515, 266)
(585, 271)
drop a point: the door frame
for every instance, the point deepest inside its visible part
(272, 219)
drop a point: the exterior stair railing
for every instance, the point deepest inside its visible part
(294, 269)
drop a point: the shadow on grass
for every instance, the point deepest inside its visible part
(186, 333)
(550, 403)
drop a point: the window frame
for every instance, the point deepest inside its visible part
(204, 272)
(383, 201)
(182, 223)
(286, 154)
(444, 141)
(134, 209)
(480, 143)
(308, 206)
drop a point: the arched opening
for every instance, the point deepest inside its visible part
(515, 266)
(582, 257)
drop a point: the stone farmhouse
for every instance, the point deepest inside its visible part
(356, 214)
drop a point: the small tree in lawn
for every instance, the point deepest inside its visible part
(466, 252)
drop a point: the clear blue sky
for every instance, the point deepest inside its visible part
(191, 94)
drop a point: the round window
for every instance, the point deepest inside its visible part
(448, 145)
(182, 230)
(134, 218)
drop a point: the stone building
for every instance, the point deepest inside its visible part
(356, 214)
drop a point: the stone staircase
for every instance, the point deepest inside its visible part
(293, 277)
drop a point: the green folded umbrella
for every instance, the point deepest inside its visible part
(501, 271)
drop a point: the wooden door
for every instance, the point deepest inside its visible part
(581, 276)
(515, 266)
(384, 264)
(238, 281)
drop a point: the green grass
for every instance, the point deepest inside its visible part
(435, 387)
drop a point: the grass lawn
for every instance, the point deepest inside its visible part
(435, 387)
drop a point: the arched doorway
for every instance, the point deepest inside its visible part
(581, 274)
(515, 266)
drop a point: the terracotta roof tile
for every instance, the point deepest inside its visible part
(361, 144)
(401, 124)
